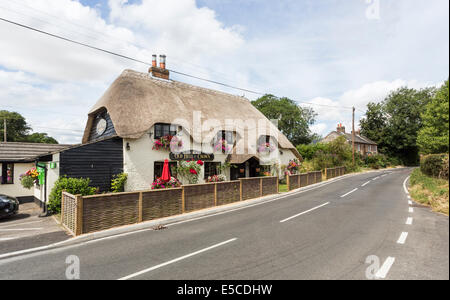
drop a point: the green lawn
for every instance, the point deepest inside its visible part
(430, 191)
(282, 188)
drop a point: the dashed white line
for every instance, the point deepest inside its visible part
(410, 202)
(402, 238)
(176, 260)
(366, 183)
(376, 178)
(411, 210)
(352, 191)
(384, 270)
(409, 221)
(20, 224)
(305, 212)
(409, 197)
(7, 239)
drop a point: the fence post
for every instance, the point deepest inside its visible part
(182, 200)
(79, 215)
(298, 180)
(62, 206)
(287, 182)
(240, 189)
(141, 217)
(215, 194)
(278, 185)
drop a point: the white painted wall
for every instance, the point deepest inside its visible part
(16, 189)
(52, 176)
(139, 160)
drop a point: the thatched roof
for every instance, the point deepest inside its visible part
(136, 101)
(26, 152)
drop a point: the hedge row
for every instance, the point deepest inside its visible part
(435, 165)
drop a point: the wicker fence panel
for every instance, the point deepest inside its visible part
(294, 182)
(311, 177)
(303, 179)
(269, 185)
(69, 213)
(250, 188)
(319, 176)
(161, 203)
(228, 192)
(198, 196)
(108, 211)
(333, 172)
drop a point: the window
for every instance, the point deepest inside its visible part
(157, 170)
(165, 129)
(7, 174)
(264, 139)
(226, 136)
(211, 169)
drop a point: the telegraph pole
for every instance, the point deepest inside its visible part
(4, 130)
(353, 135)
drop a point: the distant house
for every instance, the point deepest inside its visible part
(18, 158)
(363, 145)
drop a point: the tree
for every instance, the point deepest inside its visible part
(17, 129)
(434, 136)
(394, 124)
(293, 121)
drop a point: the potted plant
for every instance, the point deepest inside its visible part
(217, 178)
(29, 178)
(266, 148)
(159, 184)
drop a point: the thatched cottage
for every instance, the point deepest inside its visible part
(138, 110)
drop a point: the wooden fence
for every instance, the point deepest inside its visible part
(334, 172)
(85, 214)
(301, 180)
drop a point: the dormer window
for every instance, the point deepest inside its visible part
(162, 130)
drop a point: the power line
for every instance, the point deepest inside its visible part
(149, 64)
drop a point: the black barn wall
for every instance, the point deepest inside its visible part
(98, 161)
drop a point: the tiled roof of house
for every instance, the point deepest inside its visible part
(358, 138)
(15, 152)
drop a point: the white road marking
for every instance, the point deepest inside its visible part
(366, 183)
(404, 185)
(7, 239)
(410, 202)
(176, 260)
(384, 270)
(20, 229)
(20, 224)
(376, 178)
(352, 191)
(409, 197)
(409, 221)
(402, 238)
(305, 212)
(411, 210)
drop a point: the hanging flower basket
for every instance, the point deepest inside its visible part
(29, 178)
(168, 143)
(266, 148)
(222, 145)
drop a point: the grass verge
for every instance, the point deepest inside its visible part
(430, 191)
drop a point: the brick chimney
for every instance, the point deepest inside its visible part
(161, 71)
(340, 128)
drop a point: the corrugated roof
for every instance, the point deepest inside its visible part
(12, 151)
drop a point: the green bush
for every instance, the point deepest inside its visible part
(74, 186)
(377, 161)
(435, 165)
(118, 183)
(308, 152)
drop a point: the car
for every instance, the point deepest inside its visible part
(8, 206)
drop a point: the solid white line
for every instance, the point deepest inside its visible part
(409, 221)
(176, 260)
(384, 270)
(411, 210)
(366, 183)
(20, 224)
(402, 238)
(404, 185)
(305, 212)
(20, 229)
(352, 191)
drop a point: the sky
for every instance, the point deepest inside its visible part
(339, 53)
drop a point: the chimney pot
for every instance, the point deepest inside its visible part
(340, 128)
(154, 61)
(160, 72)
(162, 61)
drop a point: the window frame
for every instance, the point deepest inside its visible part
(4, 175)
(161, 165)
(206, 171)
(162, 129)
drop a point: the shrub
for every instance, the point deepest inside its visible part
(118, 183)
(376, 161)
(74, 186)
(435, 165)
(309, 151)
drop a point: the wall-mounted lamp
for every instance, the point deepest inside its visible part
(128, 147)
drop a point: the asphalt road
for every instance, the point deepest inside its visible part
(331, 232)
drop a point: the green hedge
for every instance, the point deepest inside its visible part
(435, 165)
(74, 186)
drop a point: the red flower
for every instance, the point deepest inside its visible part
(199, 162)
(192, 171)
